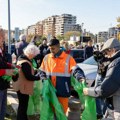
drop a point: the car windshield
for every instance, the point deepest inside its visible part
(90, 61)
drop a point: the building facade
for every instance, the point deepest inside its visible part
(31, 30)
(55, 25)
(64, 23)
(49, 26)
(39, 28)
(114, 32)
(102, 36)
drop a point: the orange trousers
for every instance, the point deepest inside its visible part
(64, 103)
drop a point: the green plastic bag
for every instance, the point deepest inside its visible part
(78, 87)
(57, 106)
(9, 78)
(35, 100)
(37, 95)
(30, 109)
(89, 112)
(50, 99)
(46, 111)
(90, 109)
(34, 64)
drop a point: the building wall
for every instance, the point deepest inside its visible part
(114, 32)
(55, 25)
(64, 23)
(31, 30)
(39, 28)
(49, 26)
(102, 36)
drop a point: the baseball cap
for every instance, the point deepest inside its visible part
(111, 43)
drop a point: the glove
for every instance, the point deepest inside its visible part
(79, 77)
(42, 75)
(79, 74)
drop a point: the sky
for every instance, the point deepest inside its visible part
(97, 15)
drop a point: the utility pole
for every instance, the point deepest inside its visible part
(82, 33)
(9, 29)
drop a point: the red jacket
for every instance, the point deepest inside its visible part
(3, 71)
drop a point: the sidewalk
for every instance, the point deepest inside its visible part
(12, 99)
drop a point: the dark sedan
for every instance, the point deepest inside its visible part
(77, 54)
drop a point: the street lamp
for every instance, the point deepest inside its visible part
(9, 31)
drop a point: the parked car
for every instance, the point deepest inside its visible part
(77, 54)
(89, 66)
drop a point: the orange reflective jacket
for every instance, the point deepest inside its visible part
(59, 70)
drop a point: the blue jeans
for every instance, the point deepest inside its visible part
(3, 103)
(100, 106)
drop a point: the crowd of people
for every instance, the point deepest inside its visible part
(55, 62)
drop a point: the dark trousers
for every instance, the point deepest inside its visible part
(3, 103)
(22, 107)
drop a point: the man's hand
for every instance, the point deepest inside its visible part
(81, 80)
(85, 91)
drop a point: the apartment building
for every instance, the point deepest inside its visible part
(102, 36)
(55, 25)
(64, 23)
(39, 28)
(49, 26)
(113, 32)
(76, 27)
(31, 30)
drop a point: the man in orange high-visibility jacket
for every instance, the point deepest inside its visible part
(58, 66)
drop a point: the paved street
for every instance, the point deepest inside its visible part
(74, 105)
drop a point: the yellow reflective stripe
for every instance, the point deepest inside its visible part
(57, 74)
(67, 74)
(45, 62)
(67, 64)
